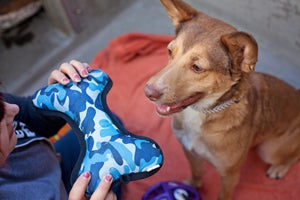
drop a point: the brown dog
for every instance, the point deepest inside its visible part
(220, 107)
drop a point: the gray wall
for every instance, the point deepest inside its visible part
(274, 23)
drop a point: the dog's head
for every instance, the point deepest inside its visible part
(206, 58)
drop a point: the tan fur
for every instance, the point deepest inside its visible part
(210, 63)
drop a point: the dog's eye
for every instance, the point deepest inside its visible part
(169, 52)
(196, 68)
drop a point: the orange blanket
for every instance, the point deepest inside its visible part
(130, 60)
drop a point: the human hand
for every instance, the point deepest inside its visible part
(101, 193)
(74, 70)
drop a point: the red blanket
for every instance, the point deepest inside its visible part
(130, 60)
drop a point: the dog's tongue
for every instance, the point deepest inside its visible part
(168, 109)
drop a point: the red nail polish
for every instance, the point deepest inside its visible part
(76, 77)
(65, 80)
(87, 67)
(84, 72)
(108, 178)
(86, 175)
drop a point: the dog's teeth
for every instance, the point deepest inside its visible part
(168, 108)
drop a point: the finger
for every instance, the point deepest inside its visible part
(111, 196)
(88, 67)
(80, 67)
(78, 190)
(103, 188)
(70, 71)
(57, 77)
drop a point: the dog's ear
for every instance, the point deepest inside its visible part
(243, 50)
(178, 11)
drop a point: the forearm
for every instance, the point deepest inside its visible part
(41, 124)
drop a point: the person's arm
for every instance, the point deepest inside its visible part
(38, 122)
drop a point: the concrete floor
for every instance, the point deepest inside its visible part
(23, 69)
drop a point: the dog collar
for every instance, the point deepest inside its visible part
(219, 107)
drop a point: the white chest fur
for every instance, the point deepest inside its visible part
(191, 134)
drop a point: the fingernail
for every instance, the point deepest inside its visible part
(65, 80)
(76, 77)
(86, 175)
(108, 178)
(87, 66)
(84, 72)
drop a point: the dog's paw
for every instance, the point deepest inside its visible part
(277, 171)
(194, 183)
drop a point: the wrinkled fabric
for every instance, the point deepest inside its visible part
(32, 172)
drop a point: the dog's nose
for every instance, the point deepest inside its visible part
(152, 92)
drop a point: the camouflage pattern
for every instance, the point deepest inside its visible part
(106, 146)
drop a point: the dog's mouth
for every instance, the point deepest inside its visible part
(168, 109)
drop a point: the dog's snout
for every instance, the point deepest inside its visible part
(152, 92)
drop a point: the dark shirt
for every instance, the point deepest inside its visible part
(32, 170)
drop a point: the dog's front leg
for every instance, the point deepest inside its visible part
(196, 169)
(194, 160)
(229, 179)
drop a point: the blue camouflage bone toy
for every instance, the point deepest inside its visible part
(106, 146)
